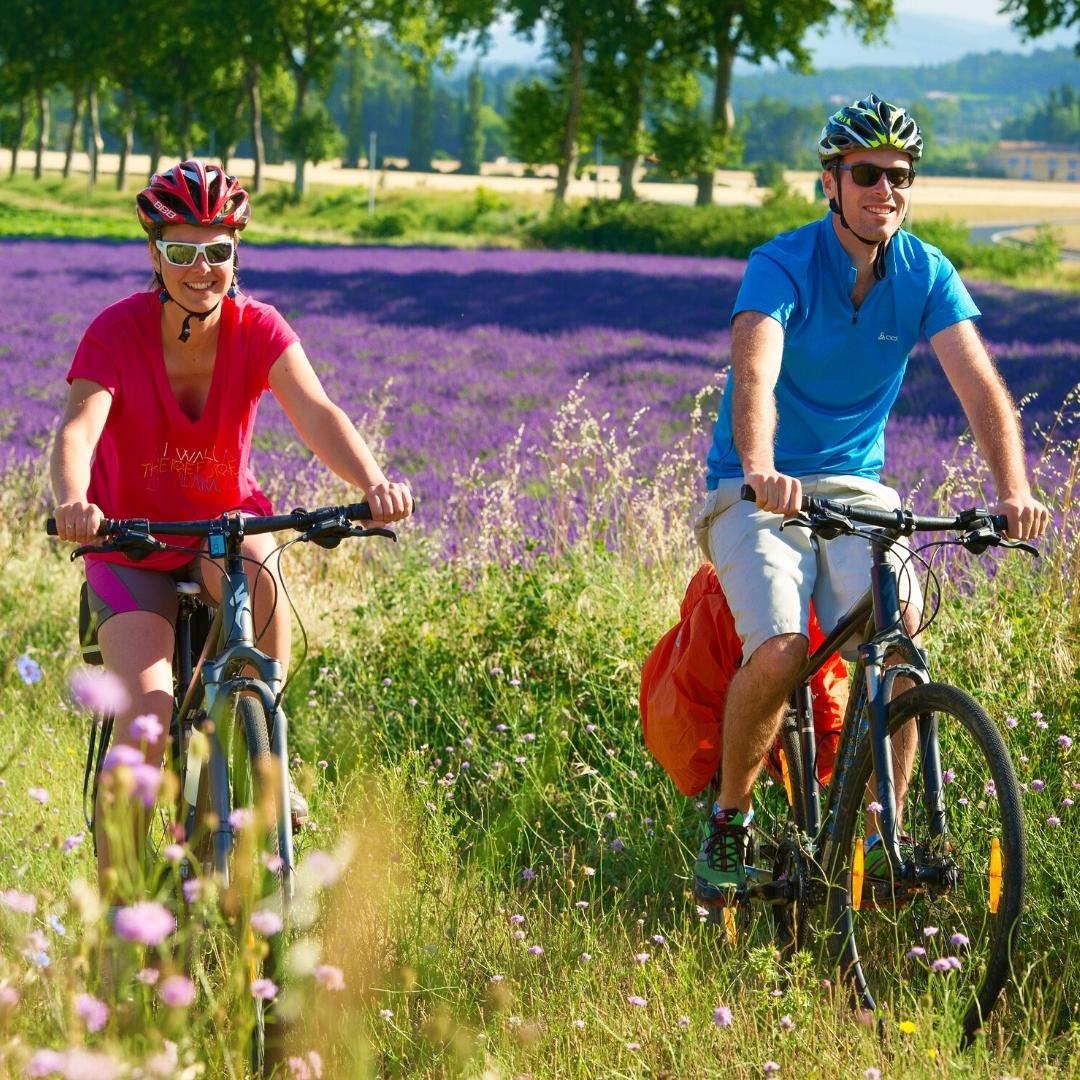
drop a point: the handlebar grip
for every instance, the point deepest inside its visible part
(358, 512)
(747, 493)
(107, 527)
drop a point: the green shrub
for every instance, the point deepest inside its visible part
(385, 224)
(659, 228)
(769, 174)
(1000, 260)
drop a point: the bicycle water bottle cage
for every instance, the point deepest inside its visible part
(136, 543)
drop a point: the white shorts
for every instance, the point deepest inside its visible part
(769, 577)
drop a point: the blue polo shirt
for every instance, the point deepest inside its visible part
(841, 368)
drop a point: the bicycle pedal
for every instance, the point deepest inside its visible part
(777, 891)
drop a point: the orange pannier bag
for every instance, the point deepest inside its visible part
(684, 686)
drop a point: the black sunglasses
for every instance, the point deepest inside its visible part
(868, 175)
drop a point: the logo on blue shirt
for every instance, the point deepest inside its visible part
(887, 337)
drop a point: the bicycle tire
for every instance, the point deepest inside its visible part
(876, 941)
(245, 881)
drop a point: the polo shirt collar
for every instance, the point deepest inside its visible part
(839, 260)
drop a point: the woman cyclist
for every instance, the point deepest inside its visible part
(164, 389)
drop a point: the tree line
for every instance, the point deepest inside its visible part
(641, 77)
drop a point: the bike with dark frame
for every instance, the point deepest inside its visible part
(921, 869)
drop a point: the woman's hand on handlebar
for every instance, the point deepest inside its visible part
(776, 492)
(1027, 516)
(390, 501)
(78, 521)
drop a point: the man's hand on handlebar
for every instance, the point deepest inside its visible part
(1028, 518)
(390, 501)
(776, 492)
(79, 521)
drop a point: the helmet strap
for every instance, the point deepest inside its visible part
(202, 316)
(837, 207)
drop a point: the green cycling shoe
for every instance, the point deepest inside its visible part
(720, 869)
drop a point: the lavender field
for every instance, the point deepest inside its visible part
(467, 346)
(514, 893)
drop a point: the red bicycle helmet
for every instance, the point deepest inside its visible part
(192, 193)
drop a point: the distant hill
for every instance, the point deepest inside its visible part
(1005, 77)
(962, 101)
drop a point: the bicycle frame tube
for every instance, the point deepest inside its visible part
(854, 622)
(230, 652)
(889, 635)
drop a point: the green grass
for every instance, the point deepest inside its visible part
(470, 740)
(54, 207)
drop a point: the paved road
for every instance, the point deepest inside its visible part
(997, 234)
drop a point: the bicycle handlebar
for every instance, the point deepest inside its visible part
(903, 521)
(299, 520)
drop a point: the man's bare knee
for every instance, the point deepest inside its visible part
(779, 658)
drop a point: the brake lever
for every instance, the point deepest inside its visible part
(136, 546)
(824, 523)
(979, 540)
(1020, 545)
(331, 534)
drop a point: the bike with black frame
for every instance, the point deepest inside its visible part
(228, 738)
(921, 870)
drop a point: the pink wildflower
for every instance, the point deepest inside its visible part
(177, 991)
(101, 691)
(146, 923)
(266, 922)
(330, 977)
(265, 989)
(147, 728)
(93, 1011)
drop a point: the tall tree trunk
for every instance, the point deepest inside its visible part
(723, 115)
(627, 167)
(43, 131)
(127, 138)
(73, 131)
(127, 142)
(258, 149)
(632, 120)
(421, 126)
(20, 130)
(94, 142)
(187, 151)
(299, 161)
(354, 118)
(229, 149)
(155, 153)
(568, 153)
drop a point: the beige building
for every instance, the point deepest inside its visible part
(1024, 160)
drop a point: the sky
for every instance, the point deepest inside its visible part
(925, 31)
(975, 10)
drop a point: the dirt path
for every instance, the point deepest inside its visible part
(975, 201)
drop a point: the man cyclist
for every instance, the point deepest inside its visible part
(822, 328)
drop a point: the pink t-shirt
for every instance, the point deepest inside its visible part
(152, 460)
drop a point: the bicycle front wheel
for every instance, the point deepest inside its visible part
(947, 932)
(249, 883)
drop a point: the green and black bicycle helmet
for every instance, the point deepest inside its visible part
(869, 124)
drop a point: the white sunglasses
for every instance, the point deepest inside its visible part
(182, 253)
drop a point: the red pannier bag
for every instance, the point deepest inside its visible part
(684, 685)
